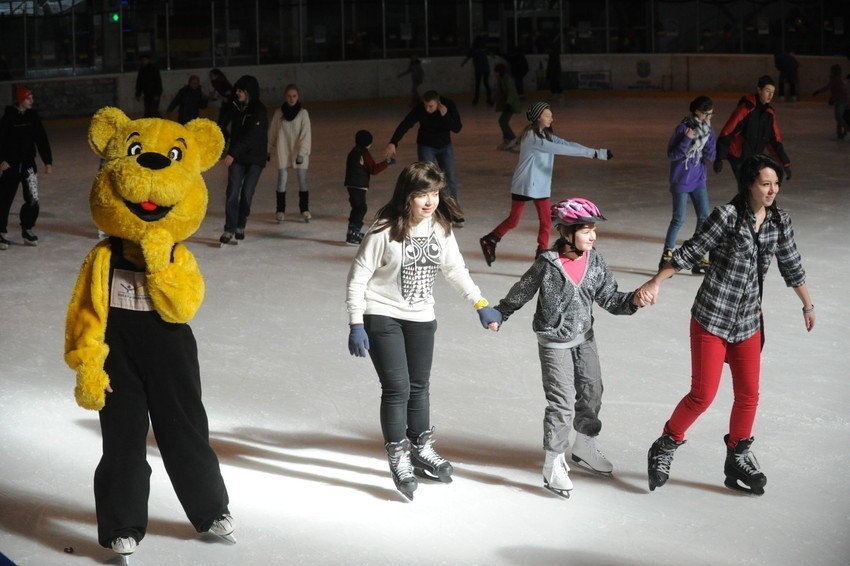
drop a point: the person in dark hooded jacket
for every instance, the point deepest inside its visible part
(246, 156)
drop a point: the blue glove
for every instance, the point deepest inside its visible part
(358, 341)
(488, 315)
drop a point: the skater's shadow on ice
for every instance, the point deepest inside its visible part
(270, 452)
(46, 520)
(538, 555)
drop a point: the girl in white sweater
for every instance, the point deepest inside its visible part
(391, 313)
(291, 135)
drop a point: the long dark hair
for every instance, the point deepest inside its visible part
(418, 178)
(747, 175)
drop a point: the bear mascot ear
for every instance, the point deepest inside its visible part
(208, 136)
(104, 124)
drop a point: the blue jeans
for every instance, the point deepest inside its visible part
(445, 158)
(680, 201)
(242, 181)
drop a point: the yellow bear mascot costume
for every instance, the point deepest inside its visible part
(127, 336)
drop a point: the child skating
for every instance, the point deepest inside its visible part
(568, 279)
(532, 180)
(359, 168)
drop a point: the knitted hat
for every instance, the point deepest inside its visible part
(22, 93)
(363, 138)
(535, 110)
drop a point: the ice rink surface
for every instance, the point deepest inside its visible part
(294, 418)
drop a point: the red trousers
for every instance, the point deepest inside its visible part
(543, 213)
(708, 353)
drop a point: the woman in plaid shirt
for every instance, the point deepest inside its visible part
(726, 323)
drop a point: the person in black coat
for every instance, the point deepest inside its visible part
(149, 87)
(246, 156)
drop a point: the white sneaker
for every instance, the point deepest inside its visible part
(307, 216)
(223, 527)
(124, 545)
(556, 474)
(586, 452)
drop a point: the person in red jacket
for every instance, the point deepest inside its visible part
(751, 130)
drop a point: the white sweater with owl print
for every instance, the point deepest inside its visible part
(396, 279)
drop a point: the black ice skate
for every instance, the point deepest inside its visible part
(426, 461)
(742, 468)
(660, 458)
(398, 455)
(488, 247)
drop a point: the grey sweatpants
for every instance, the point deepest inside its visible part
(572, 383)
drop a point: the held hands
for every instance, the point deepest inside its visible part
(490, 318)
(358, 341)
(389, 152)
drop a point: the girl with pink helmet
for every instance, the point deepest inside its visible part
(568, 279)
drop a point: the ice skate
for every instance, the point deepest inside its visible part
(660, 458)
(742, 469)
(240, 233)
(665, 257)
(124, 547)
(488, 248)
(353, 237)
(587, 453)
(398, 456)
(700, 267)
(227, 238)
(280, 217)
(556, 476)
(30, 237)
(307, 216)
(223, 527)
(426, 461)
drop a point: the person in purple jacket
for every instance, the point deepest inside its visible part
(691, 146)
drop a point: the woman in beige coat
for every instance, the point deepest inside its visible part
(290, 134)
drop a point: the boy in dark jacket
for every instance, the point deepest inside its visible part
(190, 100)
(246, 156)
(359, 168)
(21, 136)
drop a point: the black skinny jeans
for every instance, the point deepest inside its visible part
(402, 352)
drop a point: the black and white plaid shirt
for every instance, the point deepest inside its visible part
(728, 303)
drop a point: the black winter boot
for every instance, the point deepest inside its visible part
(280, 206)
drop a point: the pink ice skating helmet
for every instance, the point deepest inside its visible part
(573, 211)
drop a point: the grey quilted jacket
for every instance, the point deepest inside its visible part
(564, 309)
